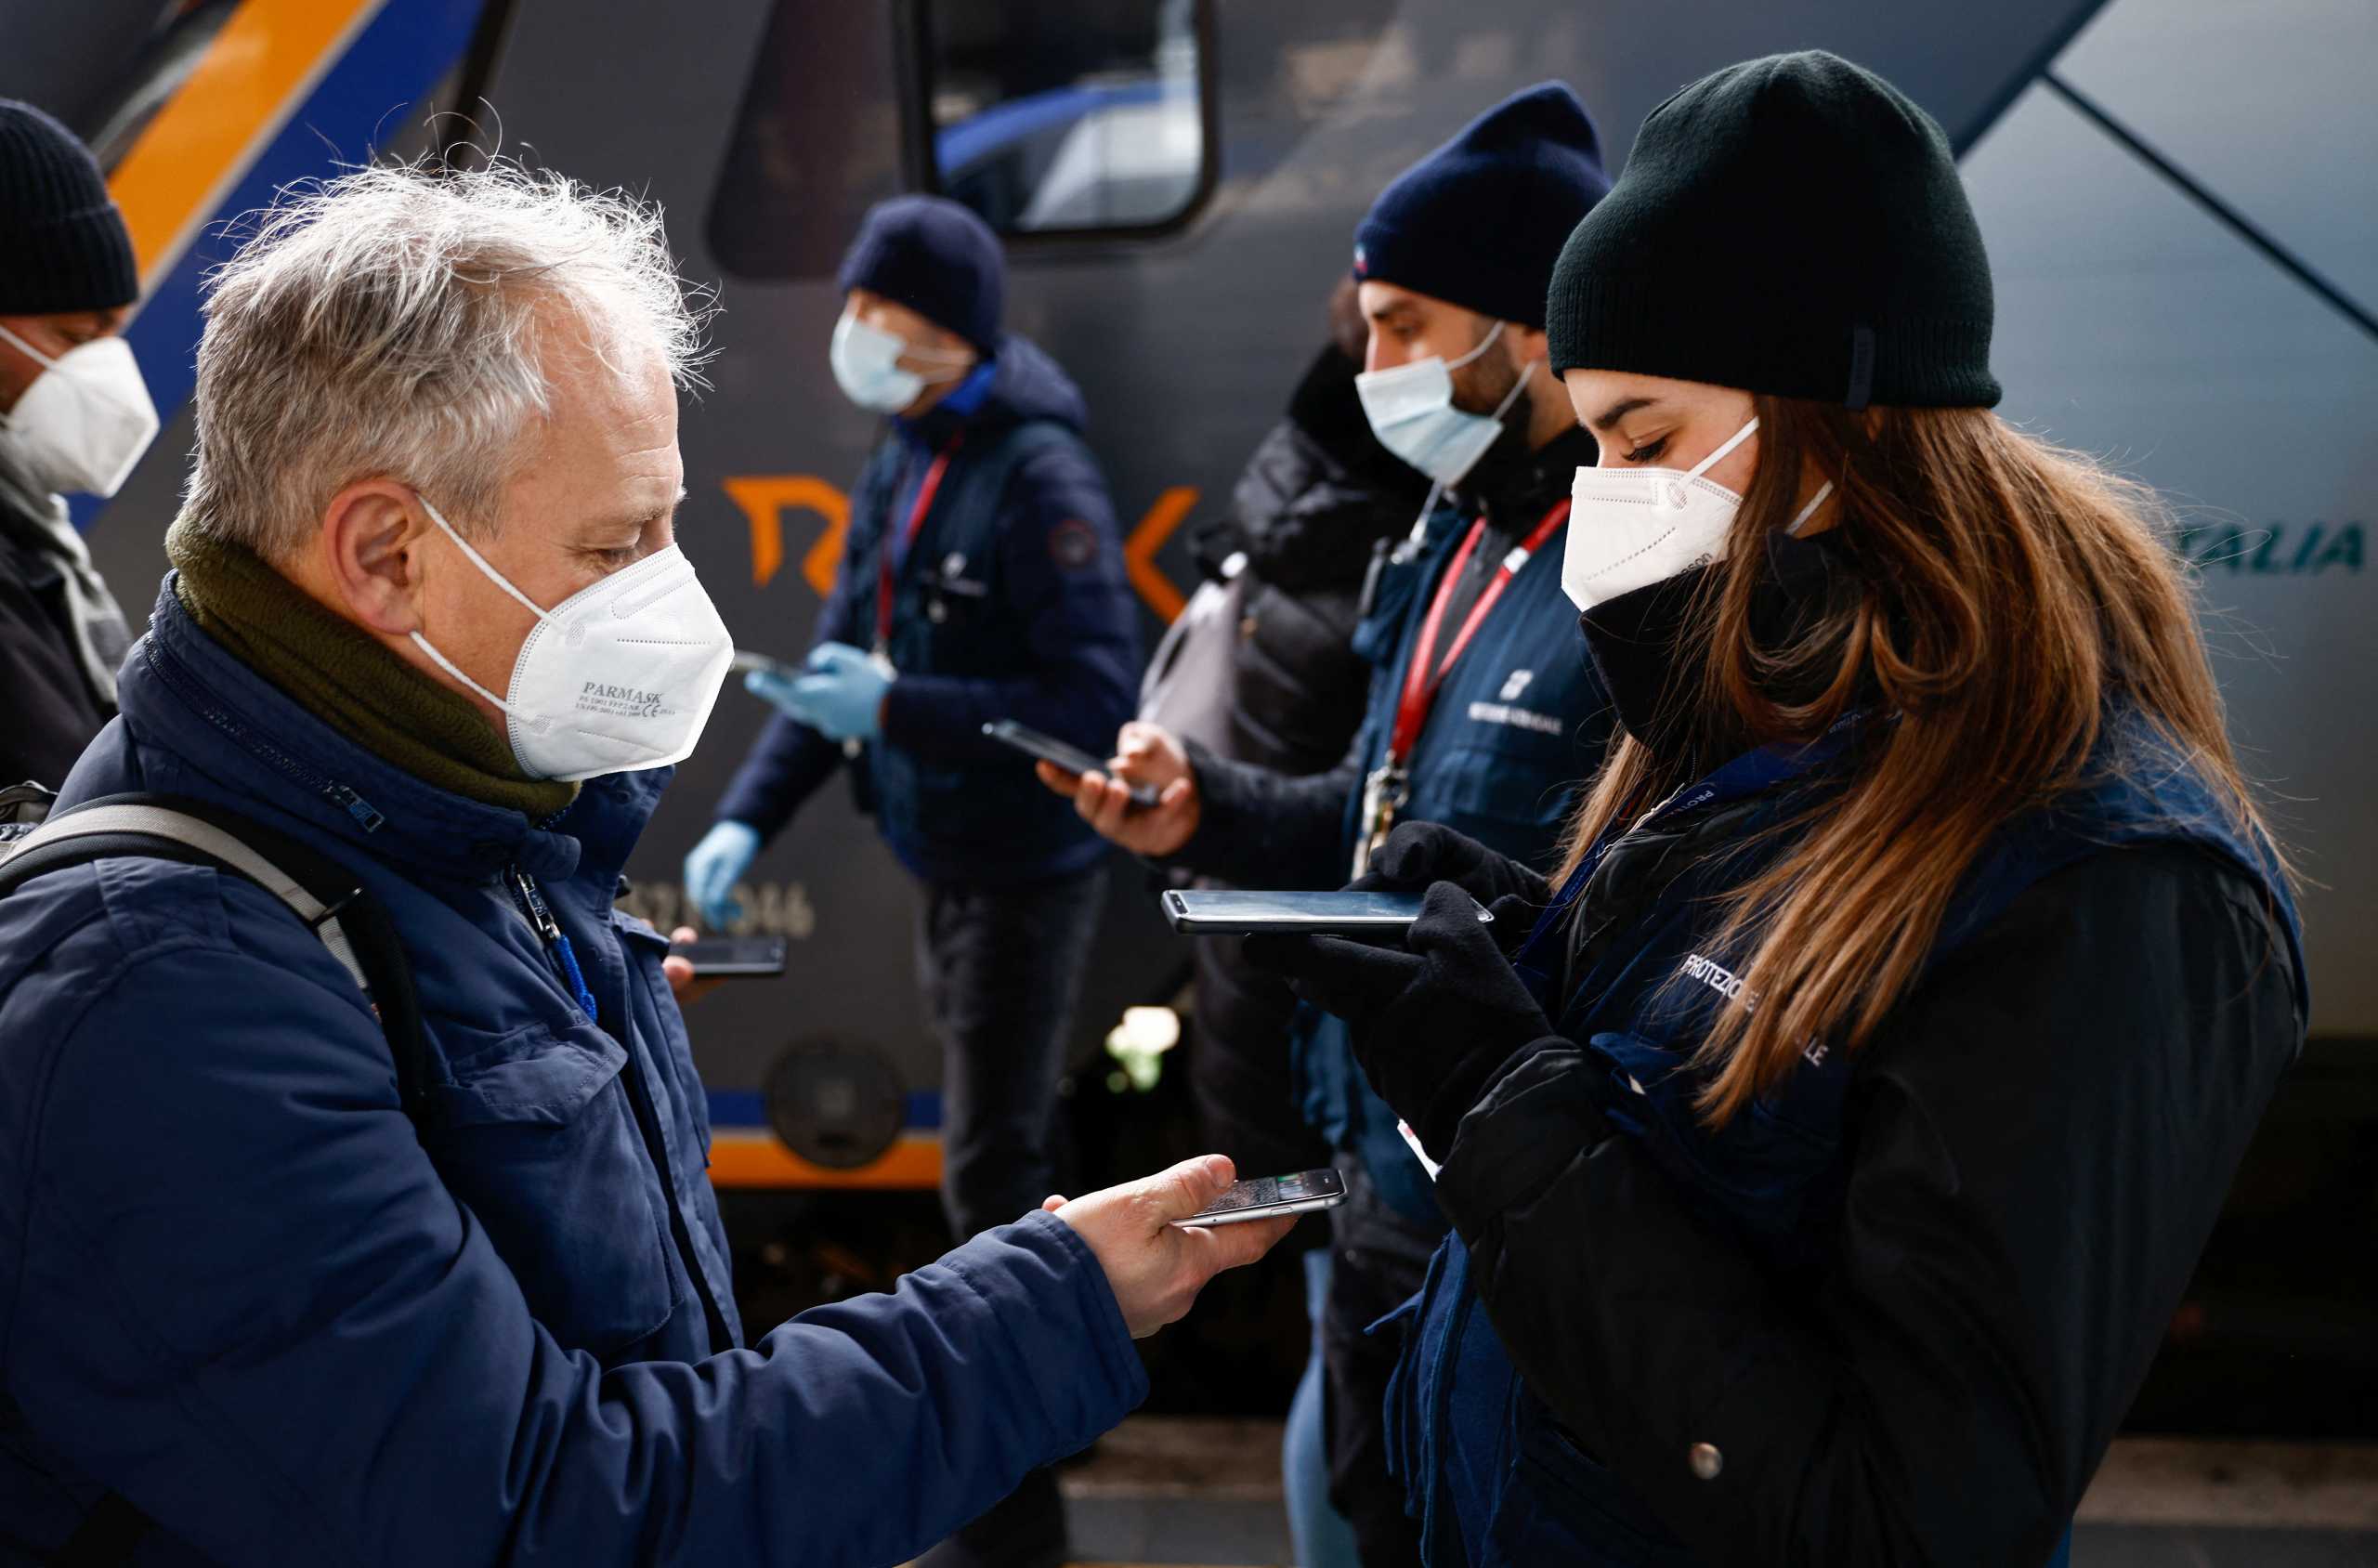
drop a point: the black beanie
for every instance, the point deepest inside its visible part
(63, 247)
(937, 258)
(1478, 222)
(1793, 225)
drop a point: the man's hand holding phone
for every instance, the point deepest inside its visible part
(1144, 754)
(1155, 1267)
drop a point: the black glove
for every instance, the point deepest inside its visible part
(1433, 1022)
(1417, 853)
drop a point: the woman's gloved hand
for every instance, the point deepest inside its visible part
(1418, 854)
(716, 864)
(1433, 1022)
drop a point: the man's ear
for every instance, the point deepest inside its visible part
(372, 539)
(1526, 346)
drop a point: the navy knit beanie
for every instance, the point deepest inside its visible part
(1479, 222)
(937, 258)
(1793, 225)
(63, 247)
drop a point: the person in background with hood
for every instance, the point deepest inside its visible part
(981, 579)
(73, 417)
(1483, 716)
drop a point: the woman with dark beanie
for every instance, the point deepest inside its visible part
(1829, 1143)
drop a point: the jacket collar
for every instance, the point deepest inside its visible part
(186, 696)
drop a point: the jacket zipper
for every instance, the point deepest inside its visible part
(539, 916)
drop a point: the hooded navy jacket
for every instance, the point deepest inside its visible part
(1012, 604)
(240, 1288)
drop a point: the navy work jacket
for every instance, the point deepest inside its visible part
(1495, 1479)
(1012, 603)
(1520, 724)
(242, 1287)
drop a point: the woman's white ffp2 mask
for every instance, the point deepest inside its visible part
(617, 677)
(1629, 527)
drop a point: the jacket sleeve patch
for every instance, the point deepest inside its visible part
(1073, 545)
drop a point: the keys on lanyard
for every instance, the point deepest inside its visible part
(1388, 790)
(885, 564)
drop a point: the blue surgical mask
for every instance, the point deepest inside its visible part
(866, 366)
(1411, 411)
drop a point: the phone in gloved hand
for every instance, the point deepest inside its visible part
(1231, 911)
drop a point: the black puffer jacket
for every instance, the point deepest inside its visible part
(1319, 494)
(1315, 498)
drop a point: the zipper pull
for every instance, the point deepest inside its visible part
(540, 915)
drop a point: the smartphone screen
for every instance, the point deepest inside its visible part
(731, 956)
(1230, 912)
(1048, 749)
(1263, 1197)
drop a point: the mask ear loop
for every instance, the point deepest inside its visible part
(1483, 344)
(1809, 511)
(1737, 439)
(29, 351)
(493, 576)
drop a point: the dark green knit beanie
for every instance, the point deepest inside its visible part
(1792, 225)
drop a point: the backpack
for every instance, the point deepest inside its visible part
(316, 889)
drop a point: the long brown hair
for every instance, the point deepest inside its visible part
(2000, 590)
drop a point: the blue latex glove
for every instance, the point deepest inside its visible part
(714, 867)
(842, 696)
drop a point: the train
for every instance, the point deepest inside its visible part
(2179, 197)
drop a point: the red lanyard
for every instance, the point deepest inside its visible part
(907, 542)
(1420, 682)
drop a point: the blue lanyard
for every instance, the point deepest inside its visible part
(539, 916)
(1753, 773)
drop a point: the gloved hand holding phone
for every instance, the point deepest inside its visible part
(1433, 1022)
(841, 695)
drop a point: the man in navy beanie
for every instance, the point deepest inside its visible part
(981, 579)
(73, 418)
(1488, 743)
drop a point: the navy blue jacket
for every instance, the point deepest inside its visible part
(1520, 723)
(1012, 603)
(240, 1288)
(1894, 1311)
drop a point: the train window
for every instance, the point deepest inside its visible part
(815, 143)
(1068, 116)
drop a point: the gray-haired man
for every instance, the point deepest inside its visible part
(256, 1305)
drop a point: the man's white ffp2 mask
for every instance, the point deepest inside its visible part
(84, 421)
(617, 677)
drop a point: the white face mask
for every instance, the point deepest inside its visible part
(865, 361)
(1411, 411)
(1629, 527)
(84, 421)
(617, 677)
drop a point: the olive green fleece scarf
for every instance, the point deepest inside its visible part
(337, 672)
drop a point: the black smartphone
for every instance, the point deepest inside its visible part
(1265, 1198)
(1048, 749)
(1230, 912)
(717, 958)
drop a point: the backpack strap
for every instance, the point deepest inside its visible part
(316, 889)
